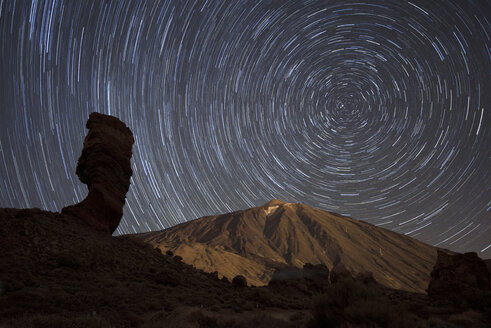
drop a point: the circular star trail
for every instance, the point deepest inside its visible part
(374, 109)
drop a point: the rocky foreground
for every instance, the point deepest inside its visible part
(57, 271)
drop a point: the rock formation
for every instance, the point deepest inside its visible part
(457, 274)
(106, 169)
(340, 272)
(488, 264)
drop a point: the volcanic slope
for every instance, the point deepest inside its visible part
(256, 241)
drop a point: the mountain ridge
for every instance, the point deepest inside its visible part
(255, 242)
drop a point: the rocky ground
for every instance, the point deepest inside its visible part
(56, 271)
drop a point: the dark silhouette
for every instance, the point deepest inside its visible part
(458, 274)
(239, 281)
(106, 169)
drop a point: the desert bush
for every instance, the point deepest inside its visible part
(261, 296)
(350, 301)
(178, 258)
(285, 275)
(365, 277)
(214, 275)
(239, 281)
(169, 252)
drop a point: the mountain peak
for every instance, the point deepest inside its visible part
(274, 202)
(255, 242)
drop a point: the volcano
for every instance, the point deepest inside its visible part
(257, 241)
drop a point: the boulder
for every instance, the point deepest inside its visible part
(105, 167)
(458, 274)
(239, 281)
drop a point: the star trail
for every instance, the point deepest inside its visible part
(378, 110)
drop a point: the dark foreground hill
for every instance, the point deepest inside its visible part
(60, 272)
(57, 271)
(256, 241)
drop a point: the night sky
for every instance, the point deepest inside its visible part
(378, 110)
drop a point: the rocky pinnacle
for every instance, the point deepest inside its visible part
(105, 167)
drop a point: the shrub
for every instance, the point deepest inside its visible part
(285, 275)
(239, 281)
(169, 252)
(261, 296)
(354, 302)
(365, 277)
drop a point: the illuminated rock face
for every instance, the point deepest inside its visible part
(105, 167)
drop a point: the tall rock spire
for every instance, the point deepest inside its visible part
(105, 167)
